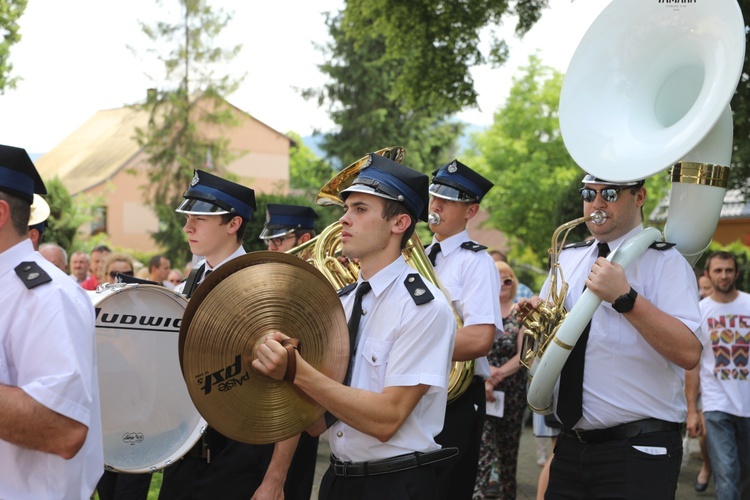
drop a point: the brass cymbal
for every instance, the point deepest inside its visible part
(230, 314)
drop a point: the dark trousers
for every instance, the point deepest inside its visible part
(615, 469)
(462, 429)
(301, 474)
(234, 472)
(410, 484)
(122, 486)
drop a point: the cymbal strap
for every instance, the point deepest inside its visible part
(291, 346)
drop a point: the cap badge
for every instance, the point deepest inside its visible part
(195, 180)
(452, 168)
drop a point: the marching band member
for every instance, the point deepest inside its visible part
(401, 332)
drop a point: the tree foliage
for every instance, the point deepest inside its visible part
(535, 179)
(66, 215)
(307, 172)
(10, 12)
(741, 114)
(173, 139)
(434, 44)
(361, 102)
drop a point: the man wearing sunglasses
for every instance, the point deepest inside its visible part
(469, 276)
(620, 397)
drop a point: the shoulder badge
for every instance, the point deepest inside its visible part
(417, 289)
(32, 275)
(474, 247)
(579, 244)
(347, 289)
(661, 245)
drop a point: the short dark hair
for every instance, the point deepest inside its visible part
(101, 248)
(227, 218)
(20, 211)
(155, 261)
(721, 254)
(393, 208)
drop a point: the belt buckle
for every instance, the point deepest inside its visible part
(578, 435)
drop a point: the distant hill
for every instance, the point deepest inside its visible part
(464, 142)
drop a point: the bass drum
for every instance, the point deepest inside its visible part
(148, 418)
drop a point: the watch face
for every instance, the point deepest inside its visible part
(625, 303)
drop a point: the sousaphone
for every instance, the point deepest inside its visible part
(647, 89)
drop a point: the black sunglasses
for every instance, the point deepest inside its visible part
(507, 281)
(113, 274)
(609, 194)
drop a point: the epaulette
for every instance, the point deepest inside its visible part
(417, 289)
(347, 289)
(474, 247)
(32, 275)
(579, 244)
(662, 245)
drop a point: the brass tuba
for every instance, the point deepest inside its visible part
(324, 250)
(648, 87)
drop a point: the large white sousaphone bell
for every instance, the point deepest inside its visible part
(648, 89)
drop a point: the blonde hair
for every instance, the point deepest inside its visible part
(503, 267)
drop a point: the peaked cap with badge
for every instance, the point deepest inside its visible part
(18, 176)
(456, 182)
(590, 179)
(211, 195)
(285, 219)
(388, 179)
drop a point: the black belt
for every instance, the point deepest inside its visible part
(388, 465)
(622, 431)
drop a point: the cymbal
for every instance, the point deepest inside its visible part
(230, 314)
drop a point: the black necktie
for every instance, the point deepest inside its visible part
(353, 326)
(570, 397)
(434, 250)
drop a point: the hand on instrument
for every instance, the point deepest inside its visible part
(607, 280)
(271, 357)
(525, 306)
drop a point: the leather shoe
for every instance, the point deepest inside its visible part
(700, 487)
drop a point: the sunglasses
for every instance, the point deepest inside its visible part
(609, 194)
(507, 281)
(113, 274)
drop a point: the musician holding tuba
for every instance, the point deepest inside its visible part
(401, 331)
(620, 396)
(469, 275)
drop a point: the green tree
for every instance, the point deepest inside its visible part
(10, 12)
(434, 44)
(741, 114)
(361, 102)
(173, 139)
(307, 172)
(66, 216)
(535, 179)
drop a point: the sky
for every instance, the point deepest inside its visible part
(74, 60)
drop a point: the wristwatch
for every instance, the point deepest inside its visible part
(624, 303)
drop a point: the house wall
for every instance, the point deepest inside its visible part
(731, 230)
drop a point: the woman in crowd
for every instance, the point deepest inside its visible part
(117, 263)
(502, 435)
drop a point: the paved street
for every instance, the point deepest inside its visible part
(528, 471)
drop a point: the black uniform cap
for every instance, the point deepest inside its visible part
(18, 176)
